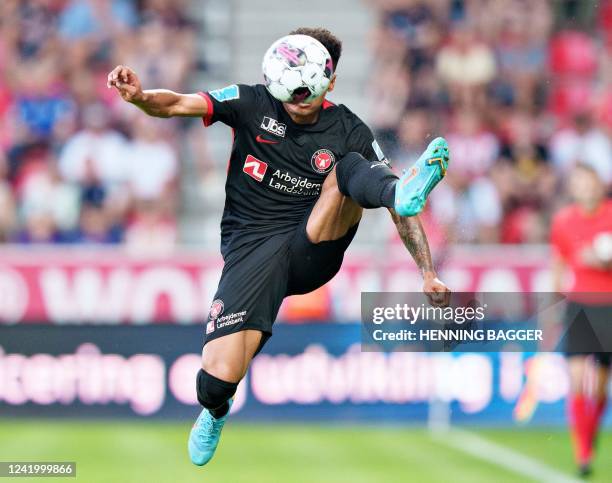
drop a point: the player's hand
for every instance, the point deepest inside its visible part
(437, 293)
(126, 82)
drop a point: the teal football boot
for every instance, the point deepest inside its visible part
(414, 186)
(204, 436)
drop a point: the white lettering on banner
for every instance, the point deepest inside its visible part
(117, 288)
(86, 296)
(181, 378)
(14, 295)
(316, 376)
(176, 284)
(90, 295)
(87, 376)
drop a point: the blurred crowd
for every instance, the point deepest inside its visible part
(522, 89)
(76, 164)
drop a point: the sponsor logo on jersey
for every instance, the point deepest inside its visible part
(216, 309)
(210, 327)
(273, 126)
(255, 168)
(322, 161)
(226, 93)
(285, 182)
(261, 139)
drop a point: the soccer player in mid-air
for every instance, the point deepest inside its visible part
(300, 174)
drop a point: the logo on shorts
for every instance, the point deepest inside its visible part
(210, 327)
(255, 168)
(322, 161)
(216, 309)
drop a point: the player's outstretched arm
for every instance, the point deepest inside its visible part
(413, 236)
(155, 102)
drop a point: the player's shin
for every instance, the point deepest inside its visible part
(369, 184)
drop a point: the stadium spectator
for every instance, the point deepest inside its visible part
(7, 203)
(151, 162)
(44, 190)
(413, 131)
(96, 20)
(96, 226)
(466, 66)
(475, 149)
(151, 230)
(96, 150)
(586, 142)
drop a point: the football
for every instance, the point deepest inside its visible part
(297, 68)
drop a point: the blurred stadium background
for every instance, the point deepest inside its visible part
(109, 237)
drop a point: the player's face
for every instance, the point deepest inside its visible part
(308, 112)
(586, 188)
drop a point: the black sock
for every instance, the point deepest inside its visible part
(369, 184)
(220, 411)
(214, 393)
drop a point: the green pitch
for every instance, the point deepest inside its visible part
(149, 452)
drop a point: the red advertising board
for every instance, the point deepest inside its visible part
(62, 286)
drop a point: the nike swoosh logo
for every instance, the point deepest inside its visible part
(259, 139)
(376, 165)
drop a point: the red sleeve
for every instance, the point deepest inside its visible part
(209, 109)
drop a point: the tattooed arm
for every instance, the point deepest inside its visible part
(413, 236)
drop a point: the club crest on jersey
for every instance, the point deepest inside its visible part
(322, 161)
(273, 126)
(216, 309)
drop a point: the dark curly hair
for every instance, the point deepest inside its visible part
(332, 43)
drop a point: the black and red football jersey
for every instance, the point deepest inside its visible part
(277, 167)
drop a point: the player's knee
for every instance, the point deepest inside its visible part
(224, 369)
(213, 392)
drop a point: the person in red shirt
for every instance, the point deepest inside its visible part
(581, 238)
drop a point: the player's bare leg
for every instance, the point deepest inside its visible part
(225, 361)
(333, 214)
(228, 357)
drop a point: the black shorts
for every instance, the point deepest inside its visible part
(588, 331)
(259, 274)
